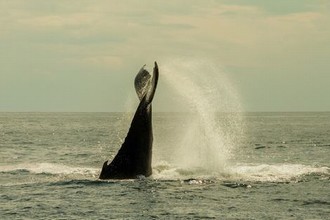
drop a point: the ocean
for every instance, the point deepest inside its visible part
(262, 166)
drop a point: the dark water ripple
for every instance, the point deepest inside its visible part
(317, 202)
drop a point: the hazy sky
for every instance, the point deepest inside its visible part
(81, 55)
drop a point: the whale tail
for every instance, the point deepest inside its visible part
(134, 156)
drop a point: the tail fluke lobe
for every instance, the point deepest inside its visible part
(145, 85)
(141, 82)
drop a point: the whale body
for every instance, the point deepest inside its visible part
(135, 155)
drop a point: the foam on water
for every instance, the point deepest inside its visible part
(164, 171)
(244, 172)
(274, 172)
(49, 168)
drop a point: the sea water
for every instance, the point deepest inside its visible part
(278, 168)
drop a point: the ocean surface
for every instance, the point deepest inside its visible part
(276, 166)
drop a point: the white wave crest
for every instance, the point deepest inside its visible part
(49, 168)
(243, 172)
(275, 172)
(165, 171)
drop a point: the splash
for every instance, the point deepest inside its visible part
(209, 126)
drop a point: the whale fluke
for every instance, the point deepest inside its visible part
(134, 157)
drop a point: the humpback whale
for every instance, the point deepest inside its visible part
(134, 157)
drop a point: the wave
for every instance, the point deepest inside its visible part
(276, 172)
(244, 172)
(48, 168)
(164, 171)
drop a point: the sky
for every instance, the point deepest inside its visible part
(82, 56)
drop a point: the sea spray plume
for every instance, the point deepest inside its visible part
(212, 126)
(135, 155)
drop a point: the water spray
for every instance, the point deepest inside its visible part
(212, 126)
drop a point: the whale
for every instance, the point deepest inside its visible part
(135, 154)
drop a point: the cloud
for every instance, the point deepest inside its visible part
(114, 38)
(153, 28)
(58, 21)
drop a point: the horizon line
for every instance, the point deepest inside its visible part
(257, 111)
